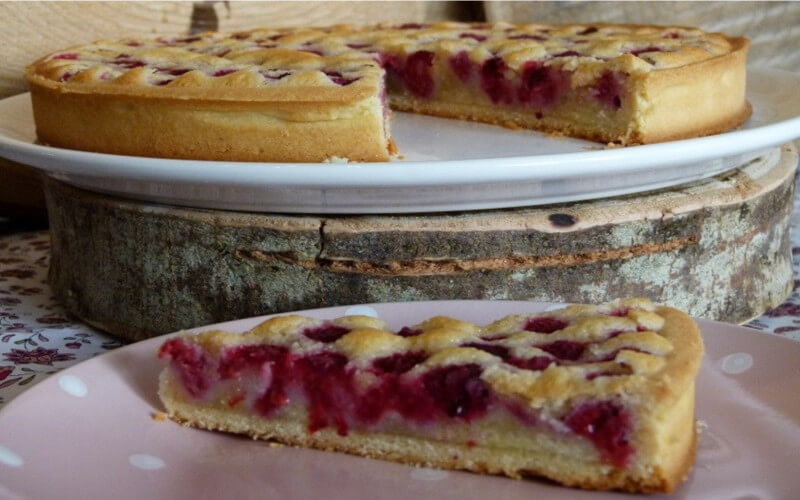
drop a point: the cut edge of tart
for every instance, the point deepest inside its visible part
(309, 94)
(598, 397)
(699, 99)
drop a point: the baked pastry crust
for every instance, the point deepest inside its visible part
(635, 365)
(309, 94)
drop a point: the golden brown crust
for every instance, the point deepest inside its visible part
(696, 100)
(311, 94)
(644, 356)
(133, 125)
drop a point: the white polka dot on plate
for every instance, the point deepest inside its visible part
(146, 462)
(361, 311)
(428, 474)
(73, 386)
(734, 364)
(9, 458)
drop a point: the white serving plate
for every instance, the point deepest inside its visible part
(447, 165)
(88, 432)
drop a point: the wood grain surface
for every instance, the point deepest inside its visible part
(234, 16)
(772, 27)
(717, 248)
(33, 29)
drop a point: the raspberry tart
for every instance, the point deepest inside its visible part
(312, 94)
(598, 397)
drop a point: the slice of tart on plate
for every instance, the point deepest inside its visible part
(598, 397)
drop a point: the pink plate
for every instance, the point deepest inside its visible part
(87, 432)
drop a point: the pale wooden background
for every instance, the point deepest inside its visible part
(772, 27)
(31, 29)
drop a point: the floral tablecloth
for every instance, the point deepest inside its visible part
(38, 338)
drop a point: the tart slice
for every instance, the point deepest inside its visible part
(597, 397)
(626, 84)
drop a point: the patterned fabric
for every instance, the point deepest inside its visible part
(38, 338)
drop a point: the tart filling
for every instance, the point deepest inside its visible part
(341, 397)
(584, 385)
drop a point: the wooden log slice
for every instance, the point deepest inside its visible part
(717, 248)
